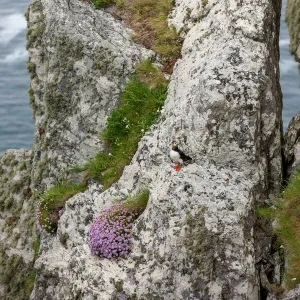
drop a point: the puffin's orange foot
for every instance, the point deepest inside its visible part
(177, 167)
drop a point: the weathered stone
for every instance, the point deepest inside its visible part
(292, 20)
(293, 294)
(291, 147)
(196, 238)
(79, 60)
(17, 219)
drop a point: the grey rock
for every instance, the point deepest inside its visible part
(292, 20)
(196, 238)
(79, 60)
(293, 294)
(292, 146)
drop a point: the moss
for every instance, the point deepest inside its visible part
(199, 244)
(26, 15)
(57, 103)
(149, 20)
(204, 3)
(8, 203)
(286, 211)
(16, 276)
(293, 22)
(103, 3)
(35, 245)
(139, 109)
(53, 201)
(63, 238)
(8, 158)
(31, 67)
(22, 166)
(137, 202)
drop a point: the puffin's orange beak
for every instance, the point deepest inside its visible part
(177, 168)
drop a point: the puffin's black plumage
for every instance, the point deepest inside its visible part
(183, 156)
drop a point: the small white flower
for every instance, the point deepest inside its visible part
(293, 279)
(142, 130)
(281, 246)
(109, 154)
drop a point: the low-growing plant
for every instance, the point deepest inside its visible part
(139, 109)
(47, 210)
(102, 3)
(287, 213)
(149, 20)
(110, 233)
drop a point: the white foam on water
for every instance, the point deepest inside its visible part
(286, 65)
(11, 26)
(284, 43)
(16, 56)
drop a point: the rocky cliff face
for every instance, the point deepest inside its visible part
(292, 20)
(79, 59)
(198, 237)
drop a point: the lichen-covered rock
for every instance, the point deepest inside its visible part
(197, 238)
(293, 22)
(79, 60)
(291, 147)
(17, 222)
(293, 294)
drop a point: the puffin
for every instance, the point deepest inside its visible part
(178, 157)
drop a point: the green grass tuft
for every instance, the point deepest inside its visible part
(139, 109)
(53, 201)
(103, 3)
(138, 202)
(149, 20)
(287, 212)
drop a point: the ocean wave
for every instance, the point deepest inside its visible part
(16, 56)
(284, 42)
(286, 65)
(11, 26)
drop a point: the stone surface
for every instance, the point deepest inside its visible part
(79, 60)
(197, 236)
(17, 209)
(291, 147)
(293, 294)
(292, 20)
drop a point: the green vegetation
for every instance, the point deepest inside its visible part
(139, 108)
(293, 21)
(103, 3)
(287, 212)
(149, 20)
(16, 276)
(137, 202)
(53, 200)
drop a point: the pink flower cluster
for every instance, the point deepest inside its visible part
(110, 233)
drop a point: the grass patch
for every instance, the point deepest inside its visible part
(149, 20)
(287, 213)
(140, 106)
(53, 201)
(137, 202)
(16, 276)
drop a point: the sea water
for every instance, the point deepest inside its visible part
(16, 124)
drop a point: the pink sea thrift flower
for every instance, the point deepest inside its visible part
(110, 233)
